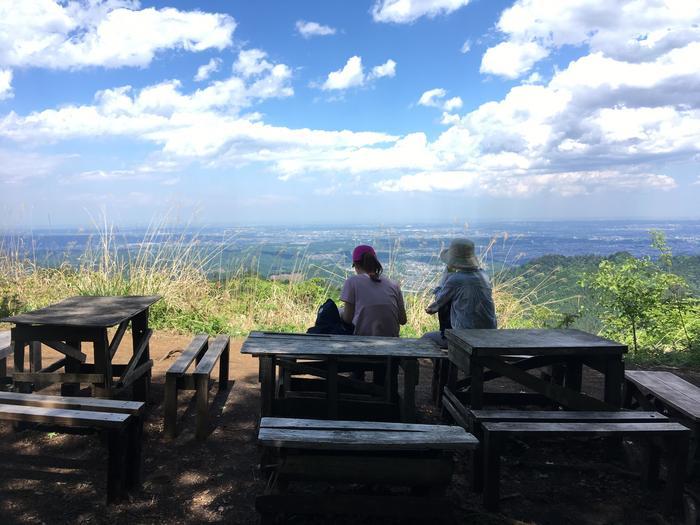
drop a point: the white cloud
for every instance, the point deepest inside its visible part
(309, 29)
(18, 166)
(5, 83)
(628, 30)
(407, 11)
(510, 59)
(452, 104)
(108, 33)
(251, 62)
(431, 97)
(353, 75)
(435, 98)
(387, 69)
(466, 47)
(349, 76)
(205, 71)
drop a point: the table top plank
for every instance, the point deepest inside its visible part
(365, 439)
(89, 311)
(485, 342)
(572, 416)
(323, 345)
(669, 388)
(585, 428)
(320, 424)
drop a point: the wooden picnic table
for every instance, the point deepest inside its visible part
(301, 375)
(64, 326)
(512, 353)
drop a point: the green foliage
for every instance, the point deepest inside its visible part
(643, 303)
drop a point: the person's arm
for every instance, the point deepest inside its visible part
(347, 295)
(347, 312)
(443, 297)
(403, 319)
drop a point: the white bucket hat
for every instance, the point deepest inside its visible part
(460, 255)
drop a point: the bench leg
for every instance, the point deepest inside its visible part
(677, 456)
(223, 369)
(651, 455)
(170, 417)
(492, 469)
(116, 475)
(134, 463)
(202, 385)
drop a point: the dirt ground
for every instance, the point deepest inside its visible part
(61, 478)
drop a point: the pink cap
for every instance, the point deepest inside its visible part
(360, 250)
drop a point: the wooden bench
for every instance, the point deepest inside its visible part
(177, 378)
(493, 427)
(395, 454)
(652, 390)
(122, 421)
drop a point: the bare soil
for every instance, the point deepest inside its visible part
(60, 478)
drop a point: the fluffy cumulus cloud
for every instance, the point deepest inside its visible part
(205, 71)
(212, 125)
(352, 74)
(5, 83)
(311, 29)
(407, 11)
(107, 33)
(625, 30)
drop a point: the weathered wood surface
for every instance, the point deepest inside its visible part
(292, 423)
(73, 403)
(136, 358)
(64, 417)
(216, 348)
(67, 350)
(90, 311)
(5, 347)
(266, 343)
(57, 377)
(197, 346)
(364, 439)
(670, 389)
(563, 415)
(541, 342)
(533, 428)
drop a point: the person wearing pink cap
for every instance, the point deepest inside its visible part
(374, 304)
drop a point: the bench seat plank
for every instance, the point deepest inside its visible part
(585, 428)
(206, 365)
(670, 389)
(73, 403)
(564, 415)
(318, 424)
(60, 416)
(189, 354)
(364, 439)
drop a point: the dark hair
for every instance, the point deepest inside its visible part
(371, 265)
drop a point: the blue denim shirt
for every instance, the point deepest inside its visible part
(471, 297)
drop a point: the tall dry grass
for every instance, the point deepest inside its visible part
(238, 301)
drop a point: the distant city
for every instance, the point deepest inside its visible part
(410, 251)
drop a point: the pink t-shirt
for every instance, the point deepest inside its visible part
(378, 305)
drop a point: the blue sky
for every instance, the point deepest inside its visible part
(378, 111)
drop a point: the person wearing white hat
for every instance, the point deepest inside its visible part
(466, 288)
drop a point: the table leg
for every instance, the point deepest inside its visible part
(35, 356)
(72, 367)
(139, 328)
(19, 363)
(573, 375)
(103, 365)
(614, 377)
(410, 380)
(476, 371)
(267, 385)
